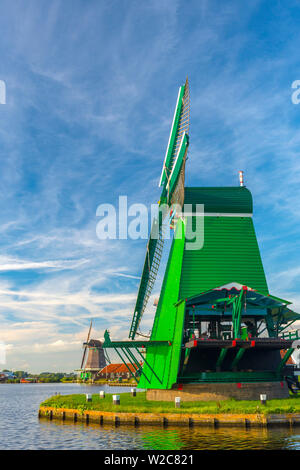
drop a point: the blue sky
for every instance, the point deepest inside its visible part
(91, 89)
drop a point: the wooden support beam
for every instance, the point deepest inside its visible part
(237, 358)
(221, 358)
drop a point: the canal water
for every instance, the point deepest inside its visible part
(20, 428)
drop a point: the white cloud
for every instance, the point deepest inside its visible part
(8, 264)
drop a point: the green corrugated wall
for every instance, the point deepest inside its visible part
(230, 254)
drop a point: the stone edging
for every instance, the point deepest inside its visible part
(165, 419)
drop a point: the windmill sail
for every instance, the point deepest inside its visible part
(180, 126)
(86, 345)
(150, 270)
(172, 181)
(175, 185)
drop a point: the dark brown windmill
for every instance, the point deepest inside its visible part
(95, 359)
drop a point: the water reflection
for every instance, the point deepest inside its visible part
(179, 438)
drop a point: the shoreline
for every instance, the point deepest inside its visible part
(167, 419)
(137, 410)
(110, 384)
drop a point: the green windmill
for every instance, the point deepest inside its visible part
(216, 322)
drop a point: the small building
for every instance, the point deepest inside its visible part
(116, 371)
(28, 380)
(7, 375)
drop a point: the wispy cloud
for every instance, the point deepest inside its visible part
(10, 264)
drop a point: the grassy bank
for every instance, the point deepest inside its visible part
(139, 404)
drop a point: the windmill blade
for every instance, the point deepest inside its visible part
(83, 357)
(150, 270)
(173, 191)
(172, 181)
(89, 333)
(180, 125)
(86, 343)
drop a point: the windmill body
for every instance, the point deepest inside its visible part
(216, 324)
(95, 361)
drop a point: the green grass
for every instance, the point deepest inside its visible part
(139, 404)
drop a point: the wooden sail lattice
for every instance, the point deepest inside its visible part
(155, 245)
(151, 267)
(183, 125)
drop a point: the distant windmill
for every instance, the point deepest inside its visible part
(95, 359)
